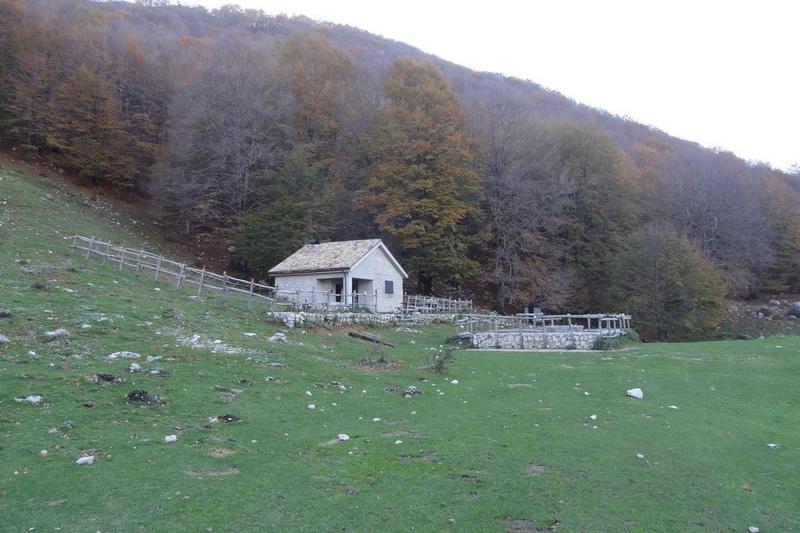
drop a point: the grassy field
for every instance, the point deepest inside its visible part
(512, 446)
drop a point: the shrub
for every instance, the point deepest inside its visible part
(615, 343)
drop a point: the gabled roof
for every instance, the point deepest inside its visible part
(338, 256)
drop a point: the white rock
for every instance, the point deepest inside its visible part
(43, 453)
(4, 339)
(135, 367)
(156, 289)
(308, 393)
(85, 460)
(636, 393)
(672, 406)
(213, 420)
(151, 358)
(342, 437)
(124, 355)
(278, 337)
(454, 382)
(249, 334)
(32, 353)
(376, 419)
(86, 326)
(753, 529)
(773, 445)
(33, 398)
(640, 456)
(398, 442)
(55, 334)
(170, 438)
(312, 406)
(52, 430)
(593, 417)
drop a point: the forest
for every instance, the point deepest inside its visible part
(262, 133)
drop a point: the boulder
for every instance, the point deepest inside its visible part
(636, 393)
(85, 460)
(124, 355)
(56, 334)
(5, 313)
(794, 310)
(278, 337)
(4, 339)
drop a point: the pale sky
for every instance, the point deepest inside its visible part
(722, 73)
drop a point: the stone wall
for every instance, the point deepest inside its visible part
(292, 319)
(557, 339)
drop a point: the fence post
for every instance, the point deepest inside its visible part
(496, 335)
(74, 242)
(158, 267)
(139, 259)
(89, 249)
(122, 258)
(202, 275)
(180, 277)
(376, 300)
(224, 282)
(328, 300)
(250, 297)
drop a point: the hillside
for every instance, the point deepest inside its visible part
(249, 135)
(499, 442)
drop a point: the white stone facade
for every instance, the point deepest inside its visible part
(539, 340)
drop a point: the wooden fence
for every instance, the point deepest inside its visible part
(181, 274)
(431, 304)
(606, 323)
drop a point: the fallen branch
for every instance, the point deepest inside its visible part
(370, 338)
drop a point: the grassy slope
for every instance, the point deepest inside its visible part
(509, 411)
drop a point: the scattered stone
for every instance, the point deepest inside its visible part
(228, 419)
(6, 313)
(403, 329)
(312, 406)
(412, 391)
(151, 358)
(794, 310)
(135, 367)
(341, 386)
(773, 445)
(170, 438)
(342, 437)
(593, 417)
(454, 382)
(640, 456)
(753, 529)
(673, 406)
(56, 334)
(42, 453)
(85, 460)
(158, 372)
(398, 442)
(143, 397)
(278, 337)
(33, 398)
(636, 393)
(249, 334)
(89, 403)
(52, 430)
(124, 355)
(86, 326)
(4, 339)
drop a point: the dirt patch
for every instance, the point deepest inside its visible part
(228, 419)
(403, 433)
(221, 452)
(193, 472)
(142, 397)
(374, 366)
(523, 525)
(350, 491)
(536, 470)
(106, 378)
(470, 478)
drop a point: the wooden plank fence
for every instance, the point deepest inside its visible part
(181, 274)
(413, 303)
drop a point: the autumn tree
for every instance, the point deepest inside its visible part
(668, 287)
(422, 188)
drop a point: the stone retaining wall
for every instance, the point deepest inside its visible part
(292, 319)
(538, 340)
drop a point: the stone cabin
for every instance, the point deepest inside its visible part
(361, 273)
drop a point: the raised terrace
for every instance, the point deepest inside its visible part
(537, 332)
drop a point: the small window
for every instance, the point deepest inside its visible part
(388, 287)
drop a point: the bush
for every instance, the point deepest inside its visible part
(615, 343)
(438, 363)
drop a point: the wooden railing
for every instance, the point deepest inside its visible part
(181, 274)
(611, 323)
(431, 304)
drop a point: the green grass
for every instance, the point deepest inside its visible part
(510, 445)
